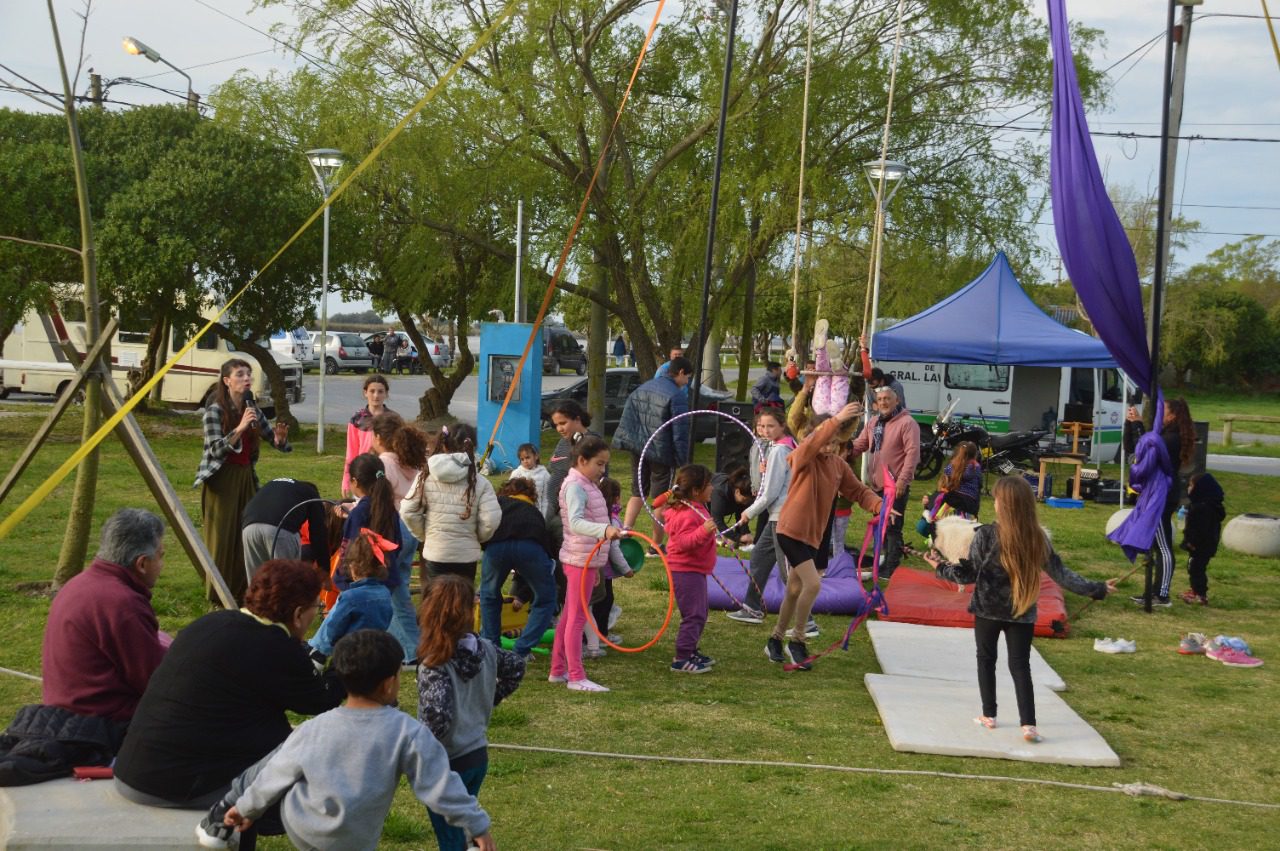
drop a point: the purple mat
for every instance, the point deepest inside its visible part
(841, 592)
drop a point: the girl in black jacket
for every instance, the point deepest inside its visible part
(1201, 534)
(1004, 565)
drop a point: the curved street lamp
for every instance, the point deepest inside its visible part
(325, 163)
(136, 48)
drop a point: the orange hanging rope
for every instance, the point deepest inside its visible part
(585, 597)
(535, 331)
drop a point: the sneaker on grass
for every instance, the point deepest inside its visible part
(585, 685)
(811, 629)
(773, 649)
(1233, 658)
(798, 654)
(1156, 602)
(1192, 644)
(693, 665)
(746, 614)
(706, 660)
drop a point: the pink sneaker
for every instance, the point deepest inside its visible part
(1233, 658)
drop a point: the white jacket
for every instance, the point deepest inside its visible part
(435, 507)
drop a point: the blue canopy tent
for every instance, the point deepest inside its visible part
(991, 320)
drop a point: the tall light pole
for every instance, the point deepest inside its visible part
(136, 48)
(325, 163)
(885, 177)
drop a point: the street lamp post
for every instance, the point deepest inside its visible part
(136, 48)
(885, 177)
(325, 163)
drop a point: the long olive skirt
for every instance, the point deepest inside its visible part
(225, 495)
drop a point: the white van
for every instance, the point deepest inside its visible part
(297, 345)
(1013, 398)
(33, 362)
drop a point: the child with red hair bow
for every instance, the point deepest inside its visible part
(366, 603)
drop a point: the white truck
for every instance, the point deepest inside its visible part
(1012, 398)
(33, 363)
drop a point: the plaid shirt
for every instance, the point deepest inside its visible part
(216, 444)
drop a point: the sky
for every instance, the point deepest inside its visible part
(1231, 188)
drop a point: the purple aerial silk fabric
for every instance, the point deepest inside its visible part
(1091, 240)
(1151, 476)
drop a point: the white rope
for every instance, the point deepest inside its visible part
(878, 228)
(804, 137)
(22, 674)
(1136, 789)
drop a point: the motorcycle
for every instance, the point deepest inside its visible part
(999, 453)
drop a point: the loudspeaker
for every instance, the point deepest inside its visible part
(733, 442)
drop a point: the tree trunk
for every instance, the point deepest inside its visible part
(434, 403)
(75, 543)
(273, 372)
(150, 363)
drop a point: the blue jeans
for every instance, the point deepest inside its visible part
(451, 838)
(532, 563)
(404, 617)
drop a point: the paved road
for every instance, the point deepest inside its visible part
(1244, 464)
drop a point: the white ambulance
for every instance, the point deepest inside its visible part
(1013, 398)
(33, 362)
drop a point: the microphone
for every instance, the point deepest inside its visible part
(248, 398)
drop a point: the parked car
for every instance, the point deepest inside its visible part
(407, 358)
(344, 350)
(561, 350)
(297, 344)
(618, 384)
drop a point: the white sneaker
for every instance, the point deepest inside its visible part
(1114, 645)
(585, 685)
(746, 548)
(558, 678)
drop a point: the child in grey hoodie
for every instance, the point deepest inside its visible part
(461, 677)
(332, 781)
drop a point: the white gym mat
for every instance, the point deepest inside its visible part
(947, 653)
(936, 716)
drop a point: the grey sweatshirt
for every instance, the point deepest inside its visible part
(338, 772)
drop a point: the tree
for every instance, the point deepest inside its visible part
(204, 219)
(543, 95)
(1220, 336)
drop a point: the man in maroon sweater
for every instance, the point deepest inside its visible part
(893, 440)
(102, 639)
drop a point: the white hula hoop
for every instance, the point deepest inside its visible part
(640, 461)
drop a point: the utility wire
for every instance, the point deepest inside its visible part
(314, 60)
(207, 64)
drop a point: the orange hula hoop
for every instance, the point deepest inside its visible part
(584, 597)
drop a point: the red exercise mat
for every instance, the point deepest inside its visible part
(917, 596)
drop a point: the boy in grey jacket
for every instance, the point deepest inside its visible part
(333, 779)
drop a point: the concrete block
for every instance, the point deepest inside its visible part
(946, 653)
(1253, 534)
(936, 716)
(69, 814)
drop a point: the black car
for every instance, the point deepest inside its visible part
(561, 350)
(618, 384)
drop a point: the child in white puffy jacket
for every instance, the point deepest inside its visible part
(451, 508)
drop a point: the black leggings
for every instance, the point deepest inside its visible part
(1017, 636)
(601, 608)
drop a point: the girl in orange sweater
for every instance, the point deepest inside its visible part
(818, 473)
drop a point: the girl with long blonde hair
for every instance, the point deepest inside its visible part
(1004, 565)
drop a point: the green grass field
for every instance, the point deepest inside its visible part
(1185, 723)
(1209, 405)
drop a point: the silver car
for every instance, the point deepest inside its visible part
(343, 350)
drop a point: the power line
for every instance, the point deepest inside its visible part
(1117, 134)
(207, 64)
(314, 60)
